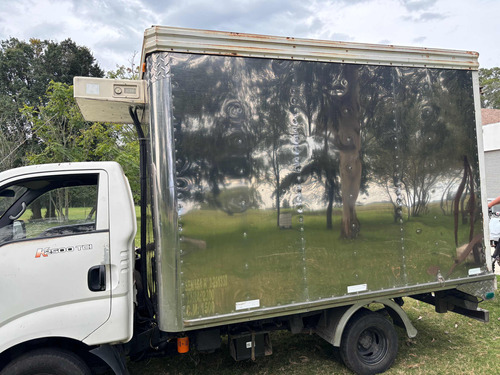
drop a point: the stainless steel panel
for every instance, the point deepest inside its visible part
(298, 182)
(363, 299)
(163, 190)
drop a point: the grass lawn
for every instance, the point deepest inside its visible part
(445, 344)
(308, 262)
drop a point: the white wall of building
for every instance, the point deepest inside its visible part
(491, 139)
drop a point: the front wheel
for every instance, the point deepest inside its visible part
(369, 343)
(47, 362)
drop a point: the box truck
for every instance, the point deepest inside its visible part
(286, 184)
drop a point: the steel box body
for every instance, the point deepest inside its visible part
(284, 186)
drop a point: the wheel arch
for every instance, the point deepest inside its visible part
(334, 321)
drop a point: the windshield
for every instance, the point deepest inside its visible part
(9, 195)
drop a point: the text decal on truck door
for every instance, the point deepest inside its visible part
(44, 252)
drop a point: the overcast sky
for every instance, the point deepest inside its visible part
(113, 29)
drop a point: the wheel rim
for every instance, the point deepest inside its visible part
(372, 346)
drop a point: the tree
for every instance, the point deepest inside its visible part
(64, 136)
(63, 61)
(26, 68)
(426, 115)
(58, 124)
(489, 80)
(125, 72)
(276, 134)
(117, 142)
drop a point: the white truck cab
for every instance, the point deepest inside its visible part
(66, 256)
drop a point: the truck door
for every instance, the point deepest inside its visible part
(54, 256)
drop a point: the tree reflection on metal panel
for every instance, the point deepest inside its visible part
(296, 180)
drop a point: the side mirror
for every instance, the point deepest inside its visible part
(14, 231)
(18, 230)
(8, 193)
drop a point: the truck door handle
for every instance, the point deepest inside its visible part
(97, 278)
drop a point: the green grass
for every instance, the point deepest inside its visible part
(445, 344)
(280, 266)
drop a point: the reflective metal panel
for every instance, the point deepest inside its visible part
(299, 181)
(163, 189)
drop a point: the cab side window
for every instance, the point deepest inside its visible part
(62, 211)
(55, 206)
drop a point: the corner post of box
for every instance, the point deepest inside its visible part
(163, 185)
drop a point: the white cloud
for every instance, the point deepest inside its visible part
(417, 5)
(113, 30)
(451, 24)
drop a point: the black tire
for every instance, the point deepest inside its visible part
(47, 362)
(369, 343)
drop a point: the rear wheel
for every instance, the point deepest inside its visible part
(47, 362)
(369, 343)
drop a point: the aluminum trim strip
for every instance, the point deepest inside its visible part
(162, 38)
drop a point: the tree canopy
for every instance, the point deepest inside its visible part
(489, 80)
(39, 119)
(26, 69)
(64, 136)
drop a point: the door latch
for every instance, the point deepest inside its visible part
(97, 278)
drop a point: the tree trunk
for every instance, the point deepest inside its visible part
(36, 209)
(329, 208)
(278, 195)
(66, 204)
(51, 210)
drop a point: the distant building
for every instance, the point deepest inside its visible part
(491, 140)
